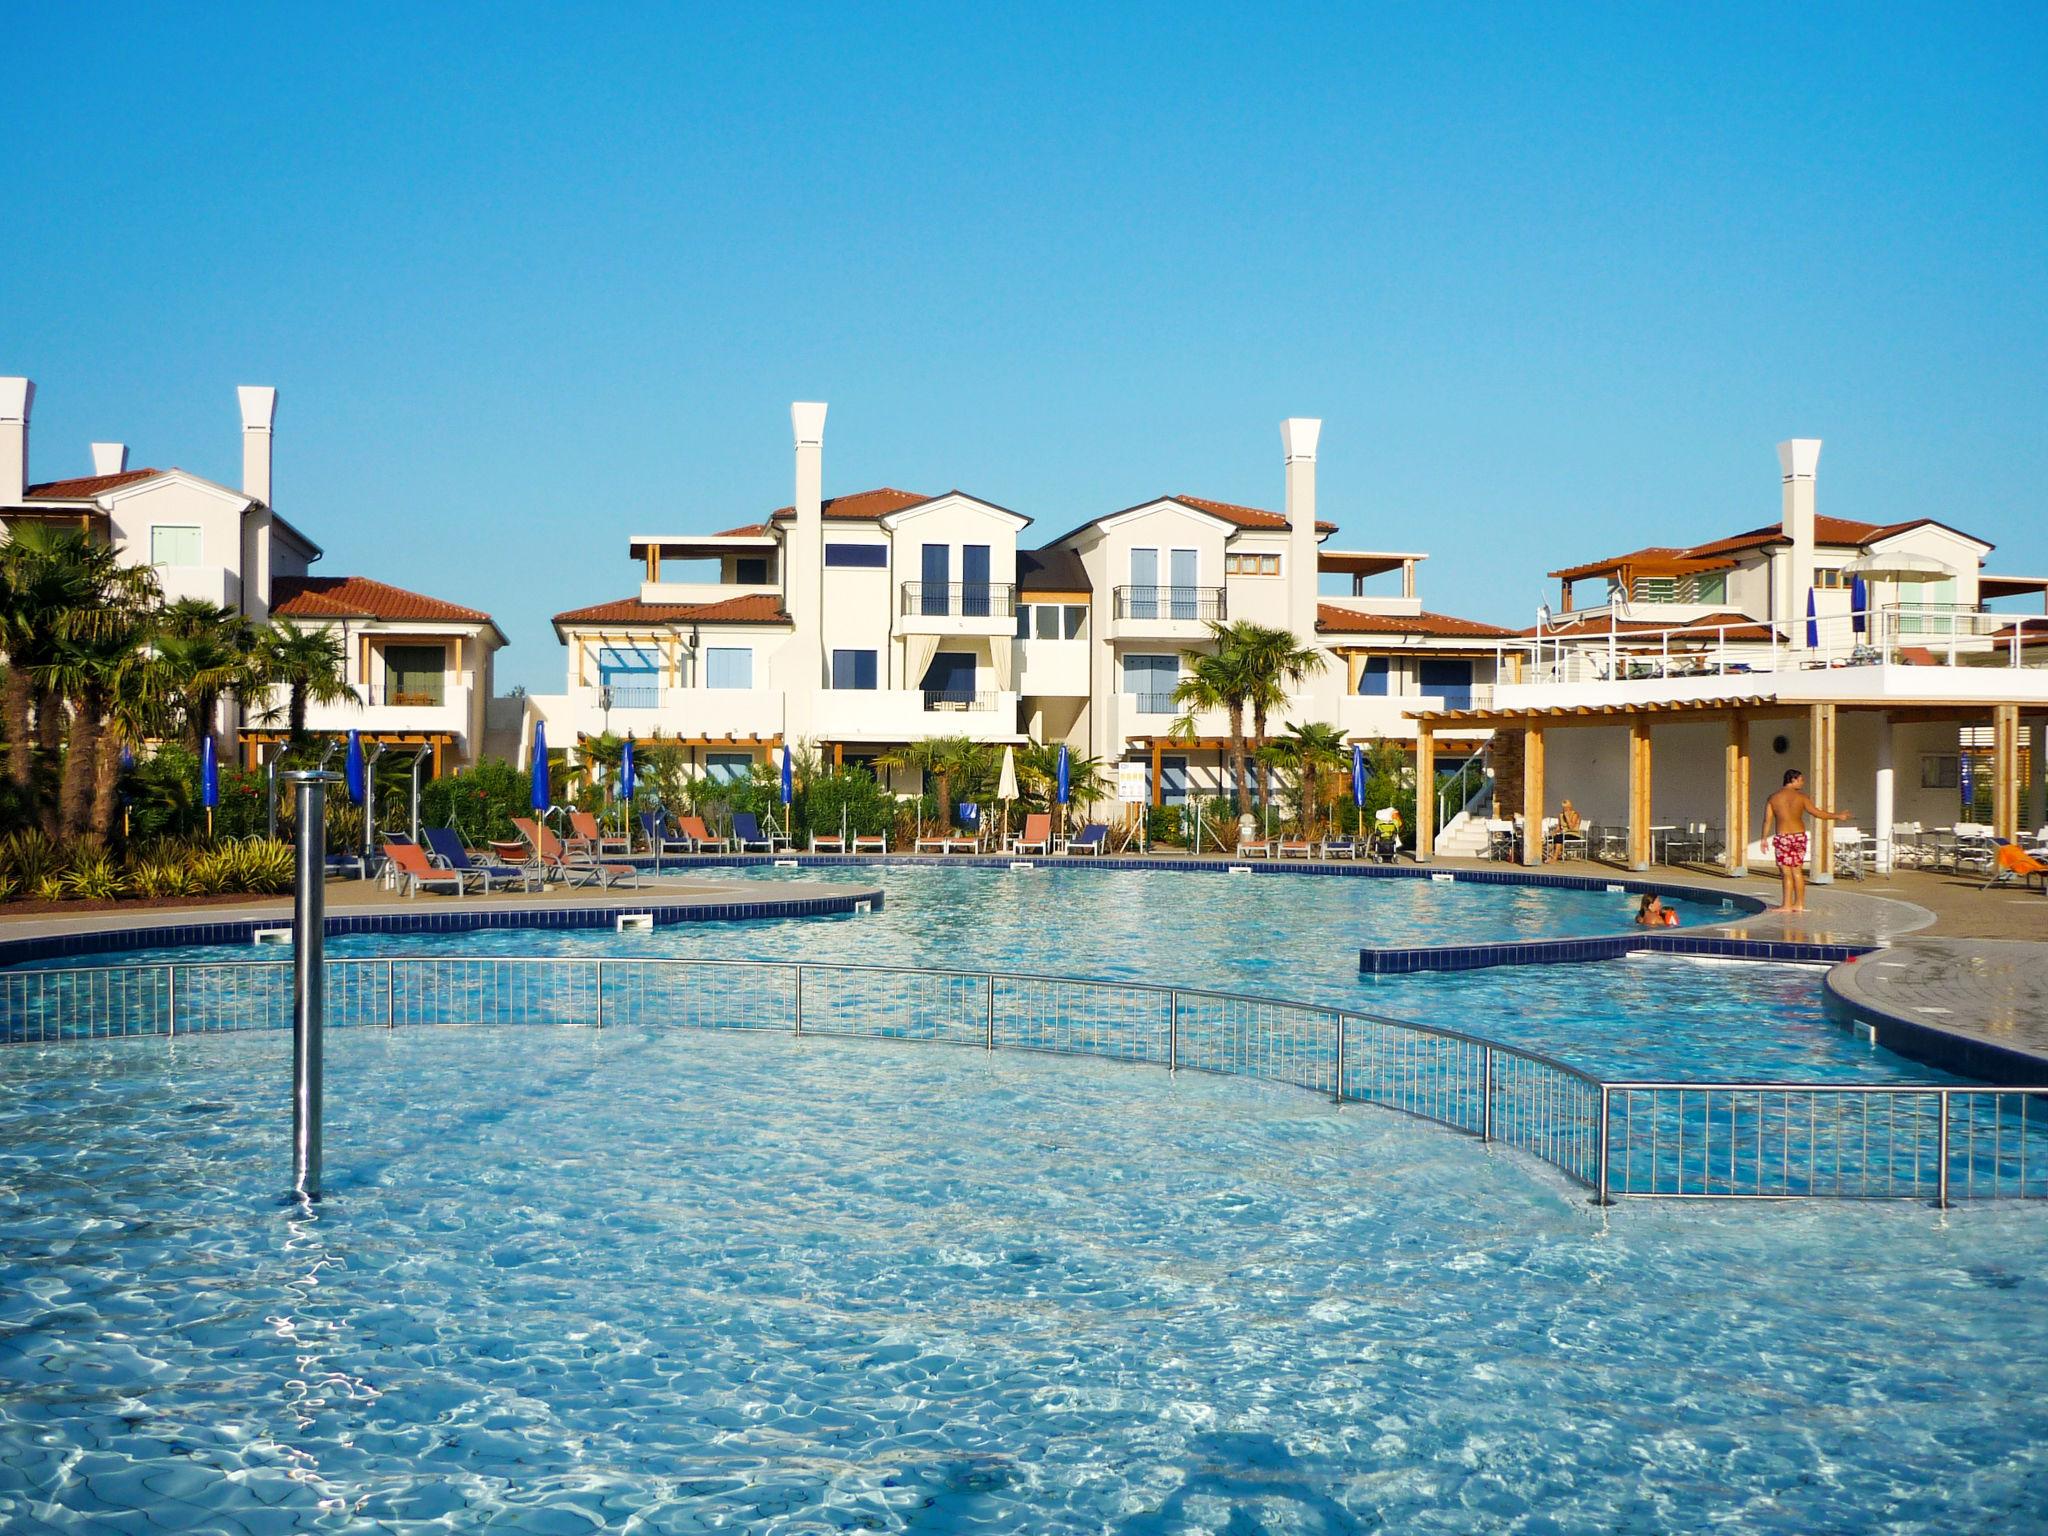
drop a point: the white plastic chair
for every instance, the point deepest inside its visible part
(1852, 852)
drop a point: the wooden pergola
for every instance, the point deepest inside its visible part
(1739, 713)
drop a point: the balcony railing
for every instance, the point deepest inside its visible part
(960, 599)
(1153, 703)
(1191, 604)
(960, 698)
(1899, 635)
(409, 698)
(629, 696)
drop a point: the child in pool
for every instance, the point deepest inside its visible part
(1652, 913)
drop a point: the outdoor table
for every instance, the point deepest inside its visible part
(1665, 834)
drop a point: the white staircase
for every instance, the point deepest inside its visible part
(1463, 834)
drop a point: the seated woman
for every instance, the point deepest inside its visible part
(1652, 913)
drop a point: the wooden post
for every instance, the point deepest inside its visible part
(2005, 770)
(1735, 813)
(1640, 841)
(1158, 789)
(1822, 781)
(1532, 795)
(1425, 794)
(838, 755)
(438, 740)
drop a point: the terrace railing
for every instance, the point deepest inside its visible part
(1894, 634)
(1618, 1139)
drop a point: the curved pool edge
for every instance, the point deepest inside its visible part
(454, 918)
(1973, 1037)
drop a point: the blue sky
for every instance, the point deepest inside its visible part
(529, 280)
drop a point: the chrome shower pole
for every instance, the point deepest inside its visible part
(309, 967)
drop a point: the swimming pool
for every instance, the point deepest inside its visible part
(566, 1279)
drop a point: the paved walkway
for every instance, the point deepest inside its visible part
(1974, 1006)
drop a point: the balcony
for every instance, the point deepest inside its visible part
(1165, 613)
(960, 698)
(885, 715)
(385, 711)
(957, 608)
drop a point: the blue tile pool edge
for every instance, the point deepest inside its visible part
(1936, 1045)
(103, 941)
(1404, 961)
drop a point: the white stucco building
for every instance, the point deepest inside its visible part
(420, 667)
(870, 619)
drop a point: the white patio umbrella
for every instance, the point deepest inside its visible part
(1898, 566)
(1006, 788)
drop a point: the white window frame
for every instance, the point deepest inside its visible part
(198, 545)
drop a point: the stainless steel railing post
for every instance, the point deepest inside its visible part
(990, 982)
(600, 994)
(1941, 1152)
(391, 994)
(171, 998)
(799, 999)
(1338, 1095)
(309, 979)
(1172, 1032)
(1600, 1196)
(1486, 1099)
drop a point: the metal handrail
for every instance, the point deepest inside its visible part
(1166, 601)
(958, 599)
(1584, 1126)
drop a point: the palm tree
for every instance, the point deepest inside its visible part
(949, 760)
(1307, 752)
(40, 583)
(1216, 680)
(208, 651)
(1038, 775)
(1274, 664)
(309, 664)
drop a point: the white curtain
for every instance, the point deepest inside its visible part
(918, 651)
(1000, 650)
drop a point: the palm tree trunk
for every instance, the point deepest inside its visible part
(205, 705)
(81, 759)
(106, 784)
(296, 718)
(1237, 756)
(17, 706)
(1259, 745)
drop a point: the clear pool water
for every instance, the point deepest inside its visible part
(675, 1280)
(1293, 937)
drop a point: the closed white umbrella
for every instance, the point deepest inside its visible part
(1006, 787)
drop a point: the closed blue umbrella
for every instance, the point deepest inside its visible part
(1859, 605)
(1358, 775)
(127, 761)
(357, 772)
(788, 776)
(1065, 786)
(209, 780)
(626, 774)
(541, 798)
(1969, 789)
(1812, 623)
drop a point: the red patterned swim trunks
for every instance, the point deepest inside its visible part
(1790, 848)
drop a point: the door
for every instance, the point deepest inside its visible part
(1182, 577)
(1173, 781)
(413, 674)
(632, 673)
(1144, 584)
(1451, 679)
(938, 572)
(1375, 678)
(949, 681)
(1150, 681)
(974, 580)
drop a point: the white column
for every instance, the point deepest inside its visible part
(1298, 436)
(1886, 796)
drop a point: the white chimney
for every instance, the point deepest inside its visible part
(1298, 435)
(17, 396)
(1798, 458)
(259, 412)
(803, 550)
(109, 458)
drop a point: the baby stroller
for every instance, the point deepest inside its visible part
(1385, 844)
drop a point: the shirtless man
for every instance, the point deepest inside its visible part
(1785, 825)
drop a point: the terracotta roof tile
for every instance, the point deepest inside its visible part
(85, 487)
(754, 608)
(1349, 621)
(1245, 517)
(1740, 626)
(351, 597)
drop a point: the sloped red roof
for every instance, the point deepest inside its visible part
(856, 506)
(85, 487)
(1838, 532)
(358, 597)
(1348, 621)
(1245, 517)
(754, 608)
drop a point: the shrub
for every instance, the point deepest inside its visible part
(9, 887)
(480, 803)
(159, 878)
(29, 857)
(93, 876)
(49, 887)
(211, 873)
(259, 866)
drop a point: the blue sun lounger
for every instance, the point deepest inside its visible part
(445, 845)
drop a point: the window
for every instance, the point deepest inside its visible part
(949, 680)
(872, 557)
(170, 544)
(853, 669)
(1828, 579)
(1173, 781)
(413, 674)
(1052, 621)
(1941, 770)
(1450, 680)
(938, 572)
(1048, 625)
(728, 667)
(1251, 565)
(1710, 587)
(1656, 589)
(1074, 621)
(729, 767)
(633, 673)
(1375, 678)
(751, 571)
(1150, 681)
(974, 592)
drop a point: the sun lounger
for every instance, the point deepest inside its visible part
(747, 833)
(574, 866)
(1297, 848)
(1257, 846)
(1340, 848)
(415, 873)
(935, 843)
(2016, 864)
(519, 857)
(585, 826)
(870, 842)
(827, 842)
(1036, 836)
(445, 848)
(659, 842)
(1091, 839)
(701, 840)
